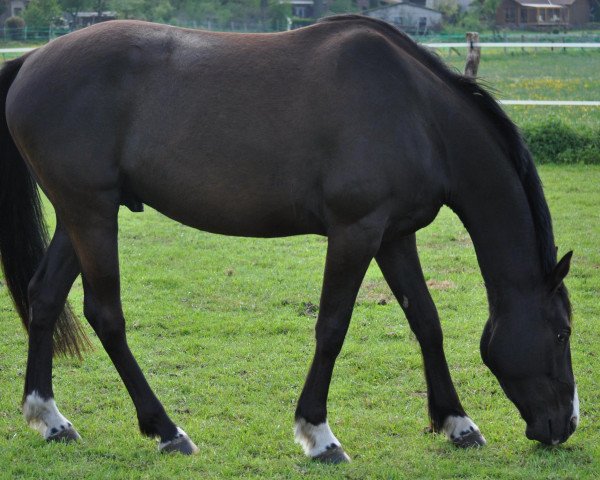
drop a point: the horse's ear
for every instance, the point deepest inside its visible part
(559, 273)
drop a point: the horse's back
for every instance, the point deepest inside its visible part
(295, 126)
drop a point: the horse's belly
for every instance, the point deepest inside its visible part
(249, 209)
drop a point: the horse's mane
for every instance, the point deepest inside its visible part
(518, 151)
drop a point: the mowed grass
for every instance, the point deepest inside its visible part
(223, 329)
(541, 75)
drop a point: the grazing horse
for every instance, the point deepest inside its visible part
(345, 129)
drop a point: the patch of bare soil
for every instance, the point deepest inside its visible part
(441, 284)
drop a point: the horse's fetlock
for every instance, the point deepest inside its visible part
(149, 422)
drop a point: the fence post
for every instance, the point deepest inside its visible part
(473, 55)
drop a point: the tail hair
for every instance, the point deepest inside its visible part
(23, 231)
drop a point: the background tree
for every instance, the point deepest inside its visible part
(485, 12)
(341, 6)
(128, 8)
(73, 7)
(41, 13)
(14, 26)
(450, 9)
(100, 6)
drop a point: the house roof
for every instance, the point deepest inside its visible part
(540, 6)
(545, 4)
(95, 14)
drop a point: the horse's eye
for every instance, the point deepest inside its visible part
(563, 337)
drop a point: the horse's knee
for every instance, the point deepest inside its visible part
(44, 306)
(107, 321)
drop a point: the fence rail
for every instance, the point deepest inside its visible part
(559, 103)
(516, 45)
(16, 50)
(438, 45)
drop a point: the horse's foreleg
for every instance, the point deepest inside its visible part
(349, 252)
(401, 268)
(48, 292)
(95, 241)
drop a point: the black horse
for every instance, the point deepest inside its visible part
(346, 129)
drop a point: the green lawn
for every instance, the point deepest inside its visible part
(223, 329)
(541, 75)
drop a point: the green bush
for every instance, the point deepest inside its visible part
(554, 141)
(14, 27)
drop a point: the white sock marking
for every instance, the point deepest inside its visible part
(314, 439)
(456, 427)
(43, 415)
(178, 437)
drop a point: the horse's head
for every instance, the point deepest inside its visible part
(527, 348)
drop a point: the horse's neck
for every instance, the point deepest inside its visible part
(491, 202)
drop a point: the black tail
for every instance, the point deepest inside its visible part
(23, 233)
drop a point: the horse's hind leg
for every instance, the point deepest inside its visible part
(401, 268)
(48, 292)
(94, 237)
(349, 252)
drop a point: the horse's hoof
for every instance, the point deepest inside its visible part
(472, 439)
(333, 455)
(181, 443)
(65, 435)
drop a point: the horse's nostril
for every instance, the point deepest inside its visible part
(572, 425)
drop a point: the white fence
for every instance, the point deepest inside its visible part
(514, 45)
(571, 103)
(566, 103)
(440, 45)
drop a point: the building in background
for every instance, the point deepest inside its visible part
(543, 14)
(14, 8)
(414, 18)
(85, 19)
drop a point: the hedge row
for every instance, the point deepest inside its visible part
(555, 141)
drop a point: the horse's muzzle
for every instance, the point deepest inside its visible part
(551, 431)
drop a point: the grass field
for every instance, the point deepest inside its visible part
(223, 328)
(542, 75)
